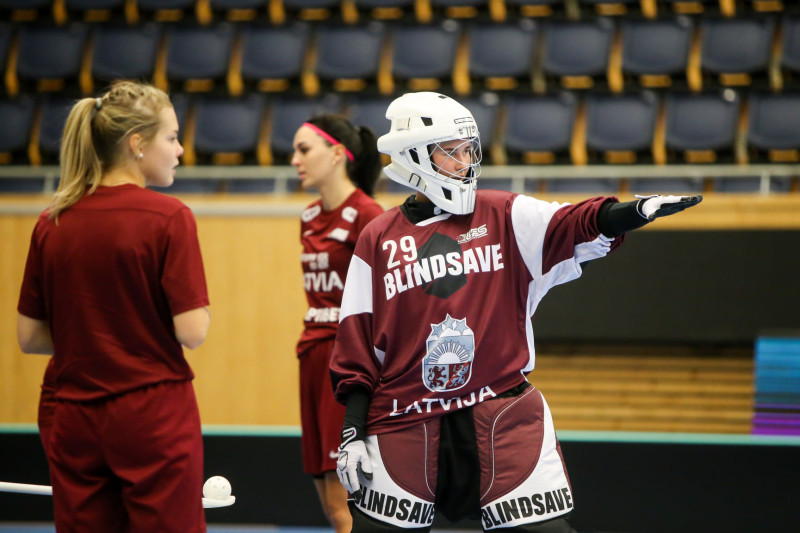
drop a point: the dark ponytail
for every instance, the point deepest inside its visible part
(365, 168)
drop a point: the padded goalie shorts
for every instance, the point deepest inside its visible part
(500, 463)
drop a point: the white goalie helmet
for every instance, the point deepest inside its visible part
(421, 122)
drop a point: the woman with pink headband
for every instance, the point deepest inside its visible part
(341, 163)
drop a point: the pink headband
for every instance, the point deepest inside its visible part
(325, 135)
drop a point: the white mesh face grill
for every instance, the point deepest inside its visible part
(462, 172)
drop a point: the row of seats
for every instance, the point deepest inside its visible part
(350, 11)
(562, 128)
(387, 58)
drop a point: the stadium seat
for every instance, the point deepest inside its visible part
(48, 57)
(501, 56)
(790, 52)
(347, 58)
(272, 56)
(238, 10)
(655, 52)
(6, 34)
(620, 127)
(576, 52)
(380, 9)
(458, 9)
(197, 57)
(535, 8)
(122, 52)
(28, 10)
(485, 108)
(422, 57)
(17, 116)
(538, 129)
(701, 128)
(735, 51)
(311, 10)
(286, 114)
(166, 10)
(96, 10)
(184, 111)
(226, 130)
(181, 103)
(695, 7)
(605, 8)
(53, 115)
(370, 112)
(773, 127)
(766, 6)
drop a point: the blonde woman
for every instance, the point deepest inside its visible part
(113, 287)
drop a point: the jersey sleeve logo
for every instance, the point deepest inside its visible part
(349, 214)
(339, 234)
(310, 213)
(451, 349)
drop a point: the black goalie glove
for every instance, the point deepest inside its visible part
(656, 206)
(353, 466)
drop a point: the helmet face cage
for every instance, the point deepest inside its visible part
(473, 169)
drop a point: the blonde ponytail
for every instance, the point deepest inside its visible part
(80, 165)
(94, 135)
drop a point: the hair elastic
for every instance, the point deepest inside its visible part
(327, 136)
(97, 103)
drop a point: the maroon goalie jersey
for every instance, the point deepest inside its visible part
(328, 239)
(436, 316)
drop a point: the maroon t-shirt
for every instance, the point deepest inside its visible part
(436, 316)
(328, 239)
(108, 278)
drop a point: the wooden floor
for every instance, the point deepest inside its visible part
(673, 389)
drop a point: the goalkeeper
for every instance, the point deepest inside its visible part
(435, 339)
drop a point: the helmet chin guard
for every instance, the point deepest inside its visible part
(420, 123)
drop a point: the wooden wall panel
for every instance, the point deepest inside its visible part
(20, 374)
(247, 370)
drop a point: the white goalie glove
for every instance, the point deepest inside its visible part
(655, 206)
(353, 466)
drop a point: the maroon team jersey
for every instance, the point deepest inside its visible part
(109, 278)
(328, 239)
(436, 316)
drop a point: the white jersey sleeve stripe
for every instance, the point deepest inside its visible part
(530, 218)
(357, 297)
